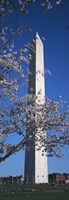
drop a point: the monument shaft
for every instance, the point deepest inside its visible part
(36, 166)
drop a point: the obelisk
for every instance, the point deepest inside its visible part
(36, 164)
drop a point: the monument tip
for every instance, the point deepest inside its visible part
(37, 36)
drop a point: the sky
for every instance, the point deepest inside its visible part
(53, 27)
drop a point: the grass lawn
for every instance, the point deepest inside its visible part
(35, 196)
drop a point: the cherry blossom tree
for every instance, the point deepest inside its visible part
(18, 112)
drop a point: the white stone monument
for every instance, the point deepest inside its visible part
(36, 164)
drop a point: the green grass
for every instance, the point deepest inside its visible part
(35, 196)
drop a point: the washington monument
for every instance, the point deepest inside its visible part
(36, 165)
